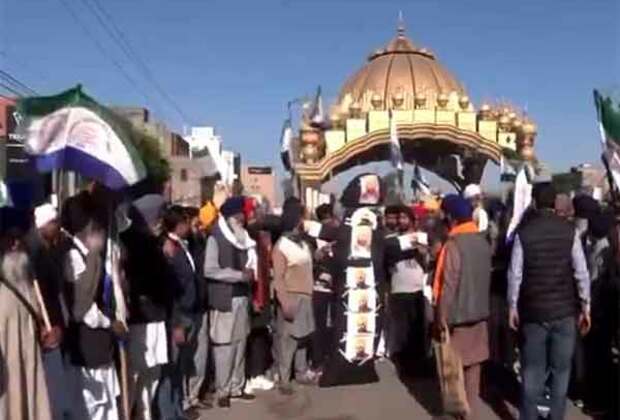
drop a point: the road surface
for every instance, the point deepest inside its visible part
(387, 400)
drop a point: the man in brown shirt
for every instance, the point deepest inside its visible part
(463, 293)
(293, 283)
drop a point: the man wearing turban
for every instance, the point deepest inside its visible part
(230, 265)
(462, 292)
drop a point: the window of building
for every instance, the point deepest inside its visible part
(183, 175)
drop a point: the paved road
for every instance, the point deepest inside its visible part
(387, 400)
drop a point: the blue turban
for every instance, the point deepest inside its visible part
(457, 207)
(232, 206)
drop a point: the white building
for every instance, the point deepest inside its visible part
(206, 146)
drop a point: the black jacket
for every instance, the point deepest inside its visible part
(148, 276)
(186, 303)
(548, 291)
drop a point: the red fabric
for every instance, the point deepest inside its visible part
(419, 211)
(249, 207)
(260, 298)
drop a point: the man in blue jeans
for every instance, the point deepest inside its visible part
(549, 298)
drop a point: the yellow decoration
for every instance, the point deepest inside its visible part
(356, 128)
(403, 117)
(445, 117)
(424, 116)
(488, 129)
(507, 140)
(334, 140)
(378, 120)
(466, 120)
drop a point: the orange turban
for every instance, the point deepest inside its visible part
(208, 214)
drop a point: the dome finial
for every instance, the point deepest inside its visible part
(401, 24)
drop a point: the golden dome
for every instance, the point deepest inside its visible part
(400, 68)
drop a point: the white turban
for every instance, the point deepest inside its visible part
(471, 191)
(44, 214)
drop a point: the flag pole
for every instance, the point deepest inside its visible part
(612, 185)
(41, 302)
(120, 302)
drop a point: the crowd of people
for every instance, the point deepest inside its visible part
(230, 299)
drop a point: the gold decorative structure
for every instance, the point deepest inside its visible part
(435, 116)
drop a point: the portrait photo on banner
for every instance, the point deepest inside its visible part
(361, 240)
(370, 190)
(361, 323)
(359, 346)
(360, 277)
(362, 300)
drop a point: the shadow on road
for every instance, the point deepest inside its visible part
(290, 408)
(421, 382)
(500, 390)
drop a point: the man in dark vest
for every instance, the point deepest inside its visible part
(548, 290)
(92, 327)
(462, 288)
(230, 263)
(149, 281)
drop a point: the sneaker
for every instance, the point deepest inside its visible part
(543, 411)
(244, 397)
(307, 378)
(262, 383)
(286, 390)
(249, 387)
(223, 402)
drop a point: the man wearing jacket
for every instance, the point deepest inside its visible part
(230, 263)
(548, 290)
(462, 288)
(185, 307)
(150, 301)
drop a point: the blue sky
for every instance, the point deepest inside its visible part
(235, 64)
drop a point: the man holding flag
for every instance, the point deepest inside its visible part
(92, 327)
(72, 132)
(608, 114)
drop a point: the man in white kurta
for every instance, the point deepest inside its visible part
(23, 390)
(95, 380)
(473, 194)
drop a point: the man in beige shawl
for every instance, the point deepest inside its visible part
(23, 392)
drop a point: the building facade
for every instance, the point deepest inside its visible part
(187, 186)
(27, 187)
(260, 182)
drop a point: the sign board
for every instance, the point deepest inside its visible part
(19, 166)
(260, 170)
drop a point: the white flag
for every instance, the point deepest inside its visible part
(396, 154)
(419, 183)
(317, 117)
(286, 141)
(522, 200)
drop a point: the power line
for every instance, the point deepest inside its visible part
(10, 89)
(103, 51)
(119, 37)
(16, 83)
